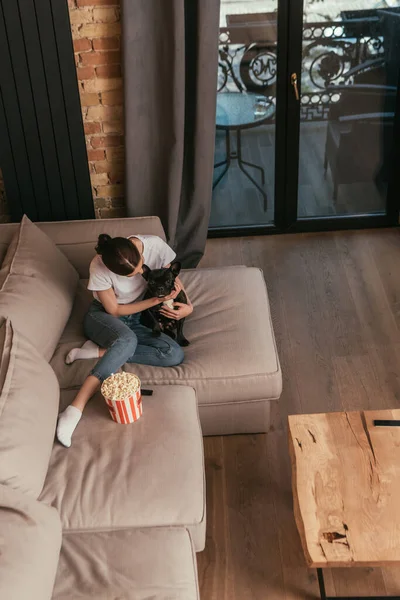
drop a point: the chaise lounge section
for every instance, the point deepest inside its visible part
(232, 361)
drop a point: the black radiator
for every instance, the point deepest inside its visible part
(42, 144)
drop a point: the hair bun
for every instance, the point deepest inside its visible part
(102, 242)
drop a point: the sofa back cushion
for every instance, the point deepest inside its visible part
(37, 287)
(29, 399)
(77, 239)
(30, 540)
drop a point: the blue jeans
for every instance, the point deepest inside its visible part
(127, 340)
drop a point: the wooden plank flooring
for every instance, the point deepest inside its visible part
(236, 201)
(335, 301)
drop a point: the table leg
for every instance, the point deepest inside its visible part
(242, 162)
(321, 584)
(323, 595)
(226, 162)
(245, 162)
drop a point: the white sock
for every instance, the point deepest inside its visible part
(88, 350)
(67, 422)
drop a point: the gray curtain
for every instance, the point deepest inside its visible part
(170, 79)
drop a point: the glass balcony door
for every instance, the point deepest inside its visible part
(349, 77)
(244, 165)
(308, 110)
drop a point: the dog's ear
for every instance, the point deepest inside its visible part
(175, 267)
(146, 272)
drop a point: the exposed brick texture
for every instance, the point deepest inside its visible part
(109, 71)
(105, 141)
(112, 43)
(96, 30)
(85, 73)
(112, 98)
(94, 155)
(92, 127)
(82, 45)
(99, 84)
(97, 3)
(100, 58)
(90, 99)
(96, 33)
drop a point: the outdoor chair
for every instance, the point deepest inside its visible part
(359, 134)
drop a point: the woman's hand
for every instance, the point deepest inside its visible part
(178, 285)
(180, 311)
(173, 294)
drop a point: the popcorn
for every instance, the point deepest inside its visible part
(120, 385)
(122, 395)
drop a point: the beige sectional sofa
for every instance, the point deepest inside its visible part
(125, 504)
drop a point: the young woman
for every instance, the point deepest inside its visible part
(112, 322)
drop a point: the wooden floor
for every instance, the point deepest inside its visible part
(335, 302)
(236, 201)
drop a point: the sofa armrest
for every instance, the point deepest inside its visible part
(30, 541)
(150, 562)
(77, 239)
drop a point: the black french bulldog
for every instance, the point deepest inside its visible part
(160, 283)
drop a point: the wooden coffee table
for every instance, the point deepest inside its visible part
(346, 489)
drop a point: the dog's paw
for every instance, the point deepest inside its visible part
(184, 342)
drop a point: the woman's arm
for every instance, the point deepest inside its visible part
(180, 287)
(109, 301)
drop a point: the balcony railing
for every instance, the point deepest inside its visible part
(334, 53)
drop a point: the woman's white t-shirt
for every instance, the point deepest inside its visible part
(156, 254)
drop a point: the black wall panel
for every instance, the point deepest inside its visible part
(42, 144)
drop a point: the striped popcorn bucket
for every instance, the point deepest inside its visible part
(123, 397)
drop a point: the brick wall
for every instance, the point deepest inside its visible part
(96, 32)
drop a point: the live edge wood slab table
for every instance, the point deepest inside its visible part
(346, 489)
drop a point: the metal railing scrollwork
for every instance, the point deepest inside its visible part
(333, 51)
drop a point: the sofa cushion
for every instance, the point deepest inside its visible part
(30, 540)
(37, 287)
(135, 564)
(146, 474)
(232, 355)
(29, 398)
(77, 239)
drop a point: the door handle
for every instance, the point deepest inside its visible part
(293, 80)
